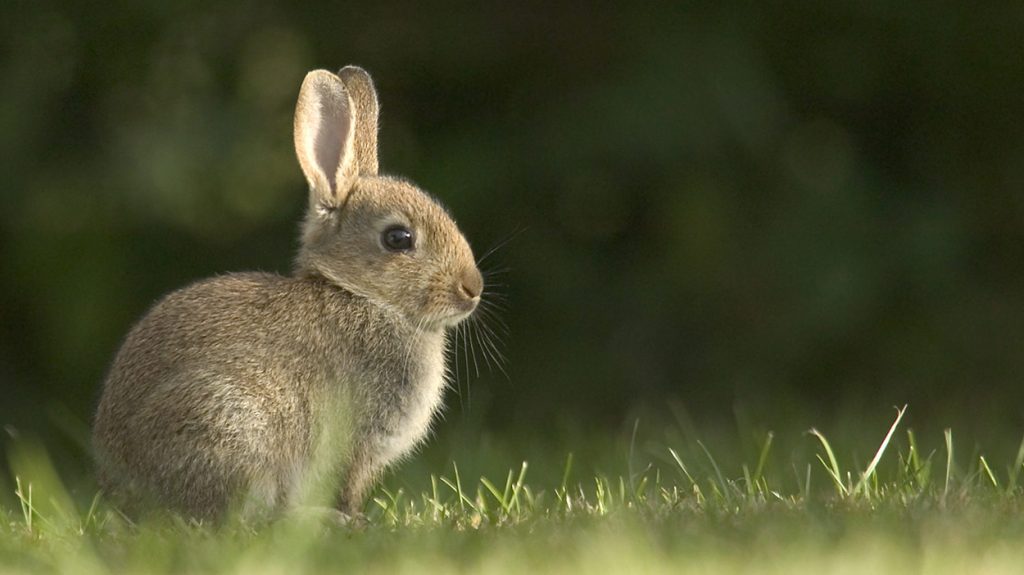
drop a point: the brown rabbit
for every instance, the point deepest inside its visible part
(255, 390)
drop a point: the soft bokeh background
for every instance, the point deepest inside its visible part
(759, 215)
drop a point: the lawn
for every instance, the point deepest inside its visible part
(692, 508)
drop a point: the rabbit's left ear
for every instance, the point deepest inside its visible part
(325, 138)
(364, 96)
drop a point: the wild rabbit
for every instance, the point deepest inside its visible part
(254, 390)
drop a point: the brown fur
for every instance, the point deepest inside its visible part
(268, 392)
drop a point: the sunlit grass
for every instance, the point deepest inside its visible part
(904, 510)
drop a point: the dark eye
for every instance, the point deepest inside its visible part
(397, 239)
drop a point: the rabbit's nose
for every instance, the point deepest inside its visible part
(471, 285)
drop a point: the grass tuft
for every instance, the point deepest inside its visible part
(691, 511)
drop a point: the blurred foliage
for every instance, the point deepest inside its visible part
(768, 212)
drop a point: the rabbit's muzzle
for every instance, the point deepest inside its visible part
(469, 287)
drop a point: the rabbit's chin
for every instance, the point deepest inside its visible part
(444, 322)
(458, 318)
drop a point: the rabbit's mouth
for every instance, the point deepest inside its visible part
(440, 320)
(457, 309)
(454, 319)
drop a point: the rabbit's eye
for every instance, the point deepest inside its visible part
(397, 239)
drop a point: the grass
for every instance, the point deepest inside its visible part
(906, 510)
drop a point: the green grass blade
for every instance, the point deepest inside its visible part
(988, 471)
(507, 492)
(725, 487)
(518, 487)
(1018, 463)
(498, 495)
(870, 471)
(948, 433)
(762, 459)
(833, 465)
(682, 466)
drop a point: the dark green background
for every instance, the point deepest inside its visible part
(784, 212)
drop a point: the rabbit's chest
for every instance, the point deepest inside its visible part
(407, 417)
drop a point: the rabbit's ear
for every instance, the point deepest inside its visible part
(364, 96)
(325, 138)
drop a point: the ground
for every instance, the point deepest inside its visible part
(901, 512)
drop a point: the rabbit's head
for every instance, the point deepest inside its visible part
(376, 236)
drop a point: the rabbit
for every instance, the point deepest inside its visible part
(257, 391)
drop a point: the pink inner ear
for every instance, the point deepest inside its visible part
(331, 130)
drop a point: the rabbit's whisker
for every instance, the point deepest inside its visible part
(494, 306)
(491, 338)
(490, 315)
(488, 356)
(487, 337)
(495, 272)
(499, 245)
(469, 386)
(464, 388)
(465, 355)
(472, 349)
(452, 367)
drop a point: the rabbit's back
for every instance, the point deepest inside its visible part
(213, 391)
